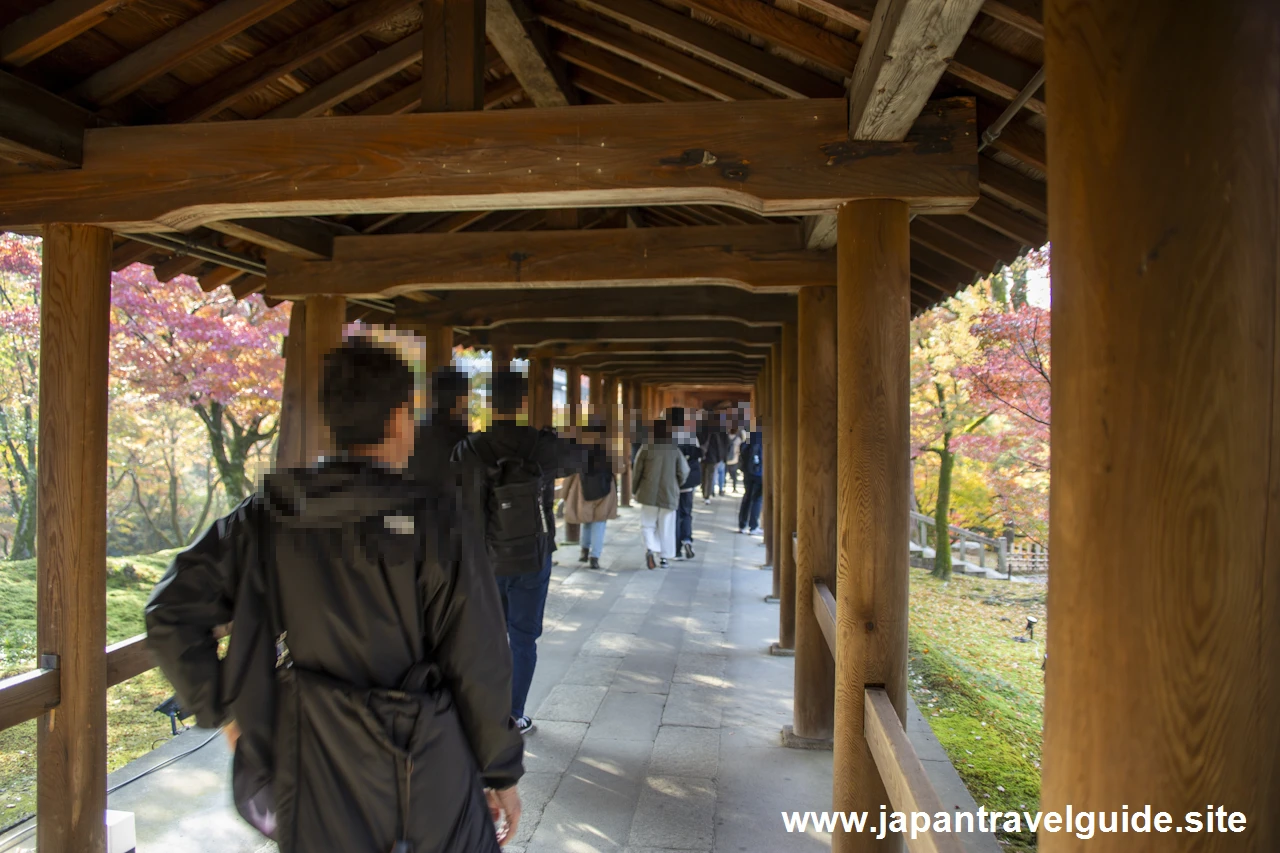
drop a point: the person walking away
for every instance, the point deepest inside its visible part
(660, 470)
(591, 497)
(521, 466)
(732, 457)
(687, 445)
(439, 435)
(715, 450)
(366, 652)
(751, 460)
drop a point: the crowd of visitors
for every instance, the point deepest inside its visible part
(387, 601)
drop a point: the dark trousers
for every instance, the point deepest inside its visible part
(752, 498)
(684, 519)
(708, 479)
(732, 471)
(524, 598)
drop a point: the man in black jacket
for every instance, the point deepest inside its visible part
(523, 592)
(439, 436)
(367, 675)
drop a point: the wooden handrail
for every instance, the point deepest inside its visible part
(27, 696)
(824, 610)
(976, 537)
(904, 778)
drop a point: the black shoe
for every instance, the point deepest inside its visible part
(525, 725)
(663, 563)
(582, 558)
(595, 563)
(650, 561)
(688, 550)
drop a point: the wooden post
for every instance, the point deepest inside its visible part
(763, 424)
(772, 492)
(439, 340)
(325, 318)
(501, 353)
(71, 549)
(1163, 681)
(293, 409)
(813, 714)
(611, 434)
(873, 309)
(573, 394)
(452, 56)
(628, 394)
(783, 548)
(541, 388)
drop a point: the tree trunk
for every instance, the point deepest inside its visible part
(942, 513)
(24, 533)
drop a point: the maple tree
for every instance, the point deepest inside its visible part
(208, 352)
(19, 367)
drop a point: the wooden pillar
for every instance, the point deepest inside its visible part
(783, 548)
(501, 353)
(762, 422)
(609, 391)
(452, 56)
(439, 346)
(625, 424)
(315, 327)
(1163, 679)
(573, 394)
(813, 714)
(71, 536)
(873, 309)
(768, 514)
(541, 389)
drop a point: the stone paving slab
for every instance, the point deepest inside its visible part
(675, 811)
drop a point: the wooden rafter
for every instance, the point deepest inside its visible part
(350, 81)
(777, 157)
(714, 45)
(38, 128)
(1014, 188)
(607, 88)
(522, 41)
(549, 334)
(649, 53)
(925, 233)
(175, 47)
(50, 26)
(755, 257)
(643, 79)
(272, 64)
(573, 352)
(776, 26)
(1009, 222)
(453, 49)
(989, 241)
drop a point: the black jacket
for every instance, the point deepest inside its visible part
(434, 463)
(396, 706)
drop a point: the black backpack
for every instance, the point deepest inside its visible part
(693, 455)
(597, 481)
(518, 521)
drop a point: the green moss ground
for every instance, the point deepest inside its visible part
(982, 692)
(133, 729)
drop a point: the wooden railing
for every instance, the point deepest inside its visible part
(27, 696)
(908, 787)
(963, 536)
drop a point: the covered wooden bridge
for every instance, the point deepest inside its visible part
(735, 193)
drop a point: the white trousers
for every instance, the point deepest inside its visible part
(659, 528)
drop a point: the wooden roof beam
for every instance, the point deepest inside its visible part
(991, 70)
(654, 84)
(1019, 138)
(1026, 15)
(38, 128)
(925, 233)
(522, 41)
(453, 51)
(607, 88)
(536, 333)
(785, 30)
(294, 237)
(649, 53)
(51, 25)
(780, 76)
(229, 87)
(214, 26)
(997, 216)
(469, 308)
(351, 81)
(1014, 188)
(907, 50)
(988, 240)
(773, 157)
(754, 257)
(851, 13)
(576, 352)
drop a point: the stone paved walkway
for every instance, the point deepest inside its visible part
(658, 710)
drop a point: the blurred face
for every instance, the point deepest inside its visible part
(398, 446)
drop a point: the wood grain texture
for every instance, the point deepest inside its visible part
(128, 659)
(349, 81)
(453, 61)
(907, 50)
(754, 257)
(28, 696)
(1026, 15)
(534, 334)
(784, 552)
(219, 23)
(270, 65)
(813, 713)
(775, 26)
(709, 43)
(38, 129)
(904, 778)
(775, 156)
(765, 425)
(572, 353)
(49, 26)
(573, 392)
(290, 442)
(522, 41)
(541, 379)
(1013, 224)
(652, 84)
(492, 307)
(1013, 188)
(873, 304)
(1166, 367)
(824, 611)
(325, 318)
(71, 601)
